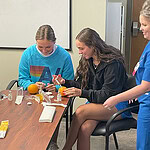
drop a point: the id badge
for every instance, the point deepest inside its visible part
(136, 68)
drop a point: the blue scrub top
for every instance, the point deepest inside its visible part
(143, 73)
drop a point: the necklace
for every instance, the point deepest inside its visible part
(95, 66)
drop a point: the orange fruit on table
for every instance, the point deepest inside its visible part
(61, 90)
(33, 89)
(40, 97)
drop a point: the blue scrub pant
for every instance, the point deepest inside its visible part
(143, 129)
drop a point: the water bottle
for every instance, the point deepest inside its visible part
(10, 96)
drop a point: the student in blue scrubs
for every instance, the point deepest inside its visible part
(142, 90)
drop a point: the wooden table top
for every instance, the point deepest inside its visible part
(25, 132)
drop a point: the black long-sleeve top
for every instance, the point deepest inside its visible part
(106, 80)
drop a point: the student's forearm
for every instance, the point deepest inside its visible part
(132, 93)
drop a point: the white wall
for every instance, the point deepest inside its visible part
(85, 13)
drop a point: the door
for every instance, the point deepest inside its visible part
(115, 35)
(118, 26)
(137, 40)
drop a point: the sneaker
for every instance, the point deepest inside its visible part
(53, 146)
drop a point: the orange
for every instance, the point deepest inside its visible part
(41, 97)
(32, 88)
(61, 90)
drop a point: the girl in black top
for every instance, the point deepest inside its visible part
(100, 74)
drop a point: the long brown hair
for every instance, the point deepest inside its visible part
(104, 52)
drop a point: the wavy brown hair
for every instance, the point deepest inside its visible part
(104, 52)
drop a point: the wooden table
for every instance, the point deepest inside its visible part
(25, 132)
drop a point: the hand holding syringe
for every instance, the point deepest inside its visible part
(49, 87)
(58, 80)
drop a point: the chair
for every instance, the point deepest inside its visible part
(11, 84)
(106, 128)
(15, 82)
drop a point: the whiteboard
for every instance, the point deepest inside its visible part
(20, 19)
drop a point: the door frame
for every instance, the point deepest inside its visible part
(127, 53)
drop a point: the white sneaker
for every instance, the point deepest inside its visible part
(53, 146)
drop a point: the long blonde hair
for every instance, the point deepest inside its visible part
(145, 11)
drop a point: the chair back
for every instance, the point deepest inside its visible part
(112, 126)
(131, 82)
(11, 84)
